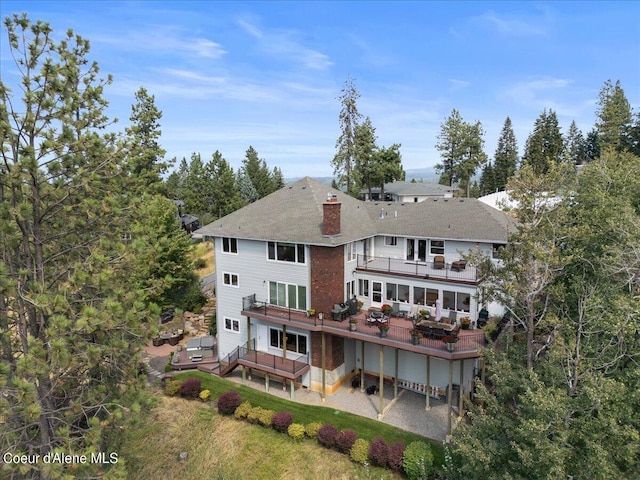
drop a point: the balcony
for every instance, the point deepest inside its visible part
(398, 336)
(273, 364)
(451, 272)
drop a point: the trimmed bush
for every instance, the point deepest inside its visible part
(266, 417)
(296, 430)
(311, 429)
(394, 455)
(254, 414)
(359, 453)
(327, 435)
(190, 388)
(172, 387)
(345, 440)
(379, 452)
(242, 411)
(417, 460)
(281, 421)
(205, 395)
(228, 402)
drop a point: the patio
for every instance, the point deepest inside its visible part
(456, 271)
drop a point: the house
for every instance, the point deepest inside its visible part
(309, 247)
(189, 223)
(409, 192)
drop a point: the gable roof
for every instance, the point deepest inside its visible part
(295, 212)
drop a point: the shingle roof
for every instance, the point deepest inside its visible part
(294, 214)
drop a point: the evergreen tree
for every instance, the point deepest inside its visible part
(544, 146)
(72, 321)
(592, 146)
(461, 146)
(488, 183)
(505, 159)
(344, 160)
(145, 156)
(278, 178)
(226, 192)
(574, 146)
(366, 173)
(388, 161)
(614, 116)
(257, 171)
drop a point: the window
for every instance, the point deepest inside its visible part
(288, 295)
(230, 245)
(456, 301)
(232, 325)
(363, 287)
(295, 343)
(351, 251)
(424, 296)
(230, 279)
(497, 249)
(390, 241)
(286, 252)
(437, 247)
(377, 292)
(351, 289)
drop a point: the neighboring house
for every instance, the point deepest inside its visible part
(190, 223)
(309, 246)
(408, 192)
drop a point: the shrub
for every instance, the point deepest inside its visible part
(172, 387)
(378, 452)
(205, 395)
(281, 421)
(228, 402)
(312, 429)
(242, 410)
(199, 263)
(394, 455)
(254, 414)
(359, 453)
(168, 368)
(190, 388)
(345, 440)
(417, 460)
(266, 417)
(296, 430)
(327, 435)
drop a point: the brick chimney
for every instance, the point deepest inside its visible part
(331, 216)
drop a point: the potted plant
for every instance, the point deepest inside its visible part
(353, 324)
(311, 312)
(450, 342)
(386, 309)
(416, 335)
(360, 304)
(384, 328)
(423, 313)
(465, 323)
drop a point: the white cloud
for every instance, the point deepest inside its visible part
(458, 84)
(285, 44)
(512, 25)
(541, 93)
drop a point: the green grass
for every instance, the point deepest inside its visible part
(365, 427)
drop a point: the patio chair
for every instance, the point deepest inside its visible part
(413, 313)
(438, 262)
(395, 310)
(453, 316)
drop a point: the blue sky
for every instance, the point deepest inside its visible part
(232, 74)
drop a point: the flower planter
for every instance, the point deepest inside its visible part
(415, 340)
(353, 327)
(383, 333)
(450, 346)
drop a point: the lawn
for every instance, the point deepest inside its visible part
(224, 448)
(365, 427)
(204, 250)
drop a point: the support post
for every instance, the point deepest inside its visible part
(381, 382)
(449, 397)
(248, 334)
(292, 388)
(395, 377)
(284, 342)
(428, 401)
(244, 374)
(361, 366)
(461, 392)
(324, 372)
(266, 382)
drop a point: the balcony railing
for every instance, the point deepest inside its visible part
(398, 334)
(274, 362)
(454, 271)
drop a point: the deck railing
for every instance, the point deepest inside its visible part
(422, 269)
(275, 362)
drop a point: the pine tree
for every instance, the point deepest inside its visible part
(344, 160)
(574, 146)
(257, 171)
(226, 193)
(505, 160)
(488, 182)
(544, 146)
(614, 116)
(72, 320)
(145, 157)
(592, 146)
(366, 173)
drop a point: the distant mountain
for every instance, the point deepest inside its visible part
(427, 174)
